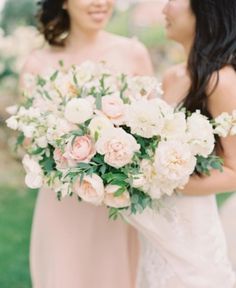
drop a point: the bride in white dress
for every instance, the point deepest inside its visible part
(183, 245)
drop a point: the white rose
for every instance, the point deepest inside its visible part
(144, 119)
(116, 201)
(117, 146)
(91, 189)
(114, 108)
(12, 123)
(174, 160)
(200, 135)
(78, 111)
(99, 124)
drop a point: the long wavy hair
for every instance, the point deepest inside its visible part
(53, 21)
(214, 47)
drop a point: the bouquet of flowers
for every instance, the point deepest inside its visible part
(108, 138)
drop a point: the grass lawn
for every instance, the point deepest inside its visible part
(16, 207)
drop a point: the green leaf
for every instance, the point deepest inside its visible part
(120, 191)
(54, 76)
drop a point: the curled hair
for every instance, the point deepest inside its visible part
(214, 47)
(53, 21)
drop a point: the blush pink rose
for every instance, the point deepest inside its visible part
(116, 201)
(61, 161)
(80, 149)
(114, 108)
(91, 189)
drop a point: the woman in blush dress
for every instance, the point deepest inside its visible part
(74, 245)
(184, 244)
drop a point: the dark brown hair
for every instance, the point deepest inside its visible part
(214, 47)
(53, 21)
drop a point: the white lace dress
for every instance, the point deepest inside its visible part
(183, 245)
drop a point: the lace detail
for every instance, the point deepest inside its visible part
(154, 271)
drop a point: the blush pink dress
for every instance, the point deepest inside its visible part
(74, 245)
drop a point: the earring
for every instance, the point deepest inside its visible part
(64, 6)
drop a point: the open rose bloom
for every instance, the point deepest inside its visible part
(110, 139)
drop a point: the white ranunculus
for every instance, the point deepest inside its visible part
(12, 123)
(111, 200)
(174, 160)
(143, 119)
(91, 189)
(99, 124)
(200, 135)
(174, 126)
(117, 146)
(223, 124)
(78, 111)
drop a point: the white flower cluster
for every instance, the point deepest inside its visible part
(226, 124)
(16, 46)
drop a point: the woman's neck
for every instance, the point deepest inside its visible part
(79, 39)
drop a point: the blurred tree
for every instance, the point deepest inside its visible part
(17, 13)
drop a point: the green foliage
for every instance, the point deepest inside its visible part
(204, 165)
(16, 209)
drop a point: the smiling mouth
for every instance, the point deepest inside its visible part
(98, 15)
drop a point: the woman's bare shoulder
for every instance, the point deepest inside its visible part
(36, 60)
(223, 98)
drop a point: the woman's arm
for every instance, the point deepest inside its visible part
(222, 100)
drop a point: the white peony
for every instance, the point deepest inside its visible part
(144, 119)
(78, 111)
(117, 146)
(200, 135)
(91, 189)
(174, 126)
(174, 160)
